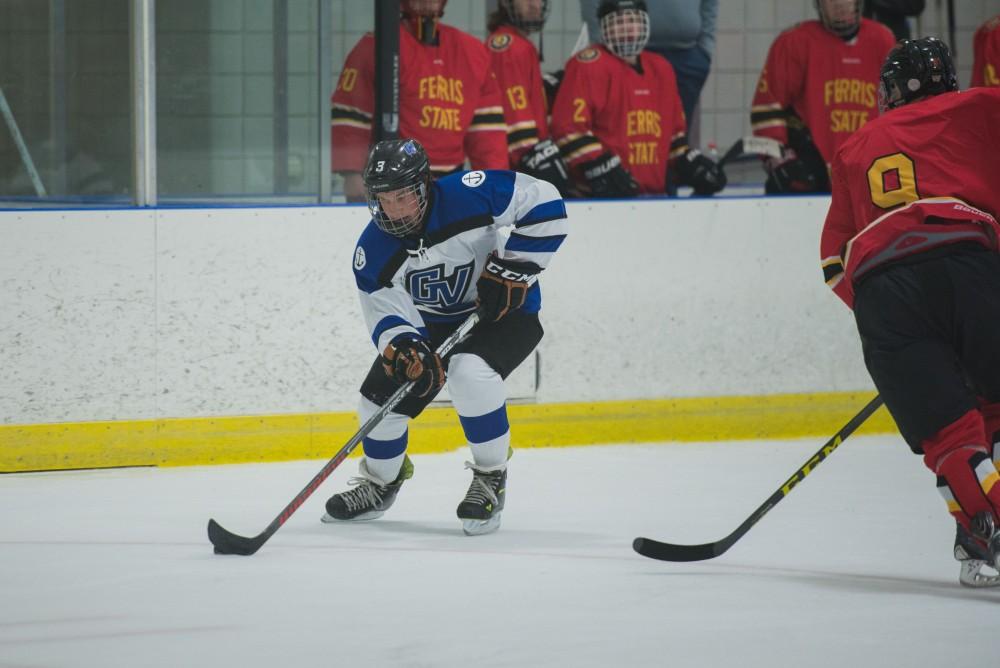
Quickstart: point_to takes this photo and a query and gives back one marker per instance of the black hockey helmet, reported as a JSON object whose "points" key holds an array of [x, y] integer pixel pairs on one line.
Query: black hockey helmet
{"points": [[841, 17], [524, 21], [433, 9], [617, 32], [424, 15], [913, 69], [398, 165], [608, 6]]}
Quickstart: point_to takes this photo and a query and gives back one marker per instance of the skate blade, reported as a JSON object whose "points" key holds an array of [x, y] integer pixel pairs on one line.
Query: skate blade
{"points": [[481, 527], [373, 515], [970, 575]]}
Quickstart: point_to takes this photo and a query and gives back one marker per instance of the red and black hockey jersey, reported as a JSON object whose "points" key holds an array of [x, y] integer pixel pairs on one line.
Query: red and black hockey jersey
{"points": [[605, 104], [516, 65], [986, 54], [449, 101], [913, 179], [830, 84]]}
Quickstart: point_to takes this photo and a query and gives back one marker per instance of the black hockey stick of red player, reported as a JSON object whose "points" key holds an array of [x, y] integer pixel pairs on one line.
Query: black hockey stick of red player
{"points": [[226, 542], [655, 549]]}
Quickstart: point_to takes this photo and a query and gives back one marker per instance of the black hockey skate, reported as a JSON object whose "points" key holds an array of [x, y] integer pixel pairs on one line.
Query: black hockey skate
{"points": [[370, 497], [481, 508], [975, 553]]}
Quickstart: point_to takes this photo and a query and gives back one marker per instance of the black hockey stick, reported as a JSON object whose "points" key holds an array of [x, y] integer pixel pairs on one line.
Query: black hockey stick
{"points": [[226, 542], [654, 549]]}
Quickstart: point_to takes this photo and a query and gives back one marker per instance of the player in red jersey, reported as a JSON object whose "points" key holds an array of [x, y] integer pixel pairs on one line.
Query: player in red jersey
{"points": [[910, 243], [986, 54], [448, 98], [618, 117], [817, 87], [516, 64]]}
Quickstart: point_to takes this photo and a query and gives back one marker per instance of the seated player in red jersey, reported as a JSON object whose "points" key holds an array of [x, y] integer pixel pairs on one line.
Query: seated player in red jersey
{"points": [[910, 243], [517, 65], [618, 116], [448, 99], [817, 87], [986, 54]]}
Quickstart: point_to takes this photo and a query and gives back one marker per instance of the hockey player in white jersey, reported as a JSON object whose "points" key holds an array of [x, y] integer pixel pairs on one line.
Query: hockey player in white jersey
{"points": [[430, 256]]}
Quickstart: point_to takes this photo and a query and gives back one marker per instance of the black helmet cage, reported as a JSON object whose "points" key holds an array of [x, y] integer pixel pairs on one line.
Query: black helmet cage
{"points": [[913, 69], [616, 33], [522, 22], [397, 165]]}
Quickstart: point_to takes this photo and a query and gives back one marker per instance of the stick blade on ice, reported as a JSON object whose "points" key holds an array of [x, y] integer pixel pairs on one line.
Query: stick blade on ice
{"points": [[654, 549], [226, 542]]}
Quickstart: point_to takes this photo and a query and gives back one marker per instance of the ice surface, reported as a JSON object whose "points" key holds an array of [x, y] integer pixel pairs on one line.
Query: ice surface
{"points": [[113, 568]]}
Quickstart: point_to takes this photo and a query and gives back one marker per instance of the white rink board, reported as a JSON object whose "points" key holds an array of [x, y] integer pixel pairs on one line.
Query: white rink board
{"points": [[209, 312]]}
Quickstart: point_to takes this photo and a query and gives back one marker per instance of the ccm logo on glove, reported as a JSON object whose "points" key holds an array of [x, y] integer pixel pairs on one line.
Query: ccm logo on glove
{"points": [[503, 286]]}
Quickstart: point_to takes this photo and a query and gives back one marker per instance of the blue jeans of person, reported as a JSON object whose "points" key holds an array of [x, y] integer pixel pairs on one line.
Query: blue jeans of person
{"points": [[691, 67]]}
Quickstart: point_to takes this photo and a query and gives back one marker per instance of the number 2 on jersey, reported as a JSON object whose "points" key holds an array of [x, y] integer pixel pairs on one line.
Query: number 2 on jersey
{"points": [[892, 180]]}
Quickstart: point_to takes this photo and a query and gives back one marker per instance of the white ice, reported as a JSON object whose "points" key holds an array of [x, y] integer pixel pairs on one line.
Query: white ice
{"points": [[854, 568]]}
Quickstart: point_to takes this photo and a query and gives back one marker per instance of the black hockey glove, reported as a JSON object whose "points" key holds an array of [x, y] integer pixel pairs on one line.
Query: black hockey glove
{"points": [[701, 173], [802, 168], [503, 286], [545, 162], [794, 175], [607, 177], [406, 359]]}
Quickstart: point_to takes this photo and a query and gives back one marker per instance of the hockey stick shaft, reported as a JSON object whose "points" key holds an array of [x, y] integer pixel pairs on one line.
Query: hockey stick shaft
{"points": [[654, 549], [226, 542]]}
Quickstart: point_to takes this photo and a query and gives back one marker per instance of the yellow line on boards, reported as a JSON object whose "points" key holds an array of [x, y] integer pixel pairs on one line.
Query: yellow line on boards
{"points": [[270, 438]]}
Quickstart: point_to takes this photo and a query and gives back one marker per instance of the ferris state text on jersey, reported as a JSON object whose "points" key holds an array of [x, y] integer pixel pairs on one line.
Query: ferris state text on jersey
{"points": [[437, 89], [449, 101], [606, 104], [830, 84]]}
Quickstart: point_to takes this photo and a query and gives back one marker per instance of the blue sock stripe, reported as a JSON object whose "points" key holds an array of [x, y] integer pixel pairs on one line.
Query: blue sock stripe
{"points": [[483, 428], [385, 449]]}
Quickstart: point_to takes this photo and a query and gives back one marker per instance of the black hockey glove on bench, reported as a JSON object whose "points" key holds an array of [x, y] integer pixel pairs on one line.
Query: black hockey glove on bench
{"points": [[608, 178], [701, 173]]}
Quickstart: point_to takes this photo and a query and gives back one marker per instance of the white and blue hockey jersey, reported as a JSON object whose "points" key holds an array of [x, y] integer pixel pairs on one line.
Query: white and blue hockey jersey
{"points": [[405, 283]]}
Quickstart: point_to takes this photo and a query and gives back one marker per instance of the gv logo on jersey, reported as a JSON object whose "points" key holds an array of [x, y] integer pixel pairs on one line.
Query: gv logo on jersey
{"points": [[430, 287]]}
